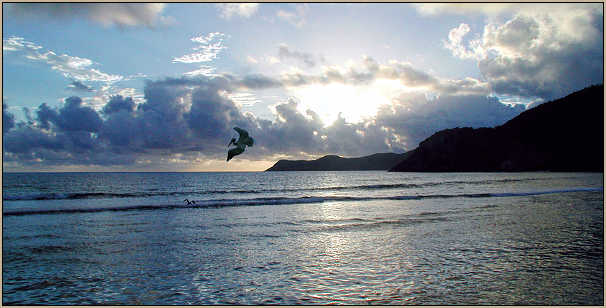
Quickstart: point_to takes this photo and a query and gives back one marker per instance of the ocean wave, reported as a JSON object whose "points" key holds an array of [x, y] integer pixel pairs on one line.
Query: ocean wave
{"points": [[217, 203], [154, 193], [91, 195]]}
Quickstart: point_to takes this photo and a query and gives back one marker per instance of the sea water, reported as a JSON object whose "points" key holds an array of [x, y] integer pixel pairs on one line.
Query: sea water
{"points": [[369, 237]]}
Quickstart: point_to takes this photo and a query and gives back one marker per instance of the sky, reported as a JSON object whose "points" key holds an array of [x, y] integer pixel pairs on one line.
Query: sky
{"points": [[159, 87]]}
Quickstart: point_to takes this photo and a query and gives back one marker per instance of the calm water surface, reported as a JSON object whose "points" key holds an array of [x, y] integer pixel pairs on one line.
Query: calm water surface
{"points": [[303, 238]]}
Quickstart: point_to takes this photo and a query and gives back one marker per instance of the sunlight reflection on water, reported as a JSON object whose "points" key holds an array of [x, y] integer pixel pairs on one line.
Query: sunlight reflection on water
{"points": [[539, 249]]}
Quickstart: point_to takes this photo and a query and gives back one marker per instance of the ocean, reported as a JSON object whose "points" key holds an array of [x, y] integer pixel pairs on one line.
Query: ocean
{"points": [[282, 238]]}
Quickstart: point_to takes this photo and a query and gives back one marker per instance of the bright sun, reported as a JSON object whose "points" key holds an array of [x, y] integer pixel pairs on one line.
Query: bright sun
{"points": [[354, 102]]}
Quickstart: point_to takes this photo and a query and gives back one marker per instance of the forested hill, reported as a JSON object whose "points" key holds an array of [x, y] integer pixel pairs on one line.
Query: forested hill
{"points": [[379, 161], [566, 134]]}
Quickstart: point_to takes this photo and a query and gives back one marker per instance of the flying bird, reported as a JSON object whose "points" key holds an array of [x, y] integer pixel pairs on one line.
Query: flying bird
{"points": [[189, 202], [243, 141]]}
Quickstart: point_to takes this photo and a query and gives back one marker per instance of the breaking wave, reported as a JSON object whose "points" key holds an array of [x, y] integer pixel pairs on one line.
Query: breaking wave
{"points": [[216, 203], [104, 195]]}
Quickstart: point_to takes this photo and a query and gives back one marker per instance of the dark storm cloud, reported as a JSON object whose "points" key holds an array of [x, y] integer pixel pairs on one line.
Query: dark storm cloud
{"points": [[58, 136], [211, 114], [191, 117], [291, 131], [178, 116], [79, 87], [72, 117], [75, 117], [117, 103], [121, 130], [8, 119], [25, 139], [45, 115]]}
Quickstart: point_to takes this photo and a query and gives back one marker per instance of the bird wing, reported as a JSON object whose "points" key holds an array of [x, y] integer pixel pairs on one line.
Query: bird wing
{"points": [[243, 133], [233, 152]]}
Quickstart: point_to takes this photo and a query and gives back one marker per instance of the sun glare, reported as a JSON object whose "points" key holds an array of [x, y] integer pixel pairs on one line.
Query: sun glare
{"points": [[354, 103]]}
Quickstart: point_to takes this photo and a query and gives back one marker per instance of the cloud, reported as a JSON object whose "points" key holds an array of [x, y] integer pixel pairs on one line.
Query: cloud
{"points": [[209, 47], [272, 60], [204, 70], [309, 59], [75, 68], [180, 116], [255, 81], [8, 119], [107, 14], [544, 54], [59, 136], [72, 117], [118, 103], [414, 117], [295, 133], [291, 131], [365, 72], [15, 43], [78, 86], [456, 46], [246, 10], [496, 9], [243, 98], [192, 117], [296, 17], [466, 8], [368, 71]]}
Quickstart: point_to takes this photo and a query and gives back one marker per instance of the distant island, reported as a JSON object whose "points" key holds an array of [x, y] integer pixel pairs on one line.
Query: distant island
{"points": [[379, 161], [566, 134]]}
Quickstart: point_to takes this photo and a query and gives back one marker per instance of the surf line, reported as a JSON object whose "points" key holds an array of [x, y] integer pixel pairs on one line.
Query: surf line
{"points": [[286, 200]]}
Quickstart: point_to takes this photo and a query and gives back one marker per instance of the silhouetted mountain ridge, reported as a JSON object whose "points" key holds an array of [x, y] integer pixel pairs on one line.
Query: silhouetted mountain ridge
{"points": [[566, 134], [379, 161]]}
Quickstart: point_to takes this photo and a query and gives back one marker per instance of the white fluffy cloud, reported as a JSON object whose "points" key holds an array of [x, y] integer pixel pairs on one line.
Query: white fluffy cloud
{"points": [[75, 68], [209, 46], [204, 70], [537, 54], [107, 14], [15, 43], [456, 46], [227, 10]]}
